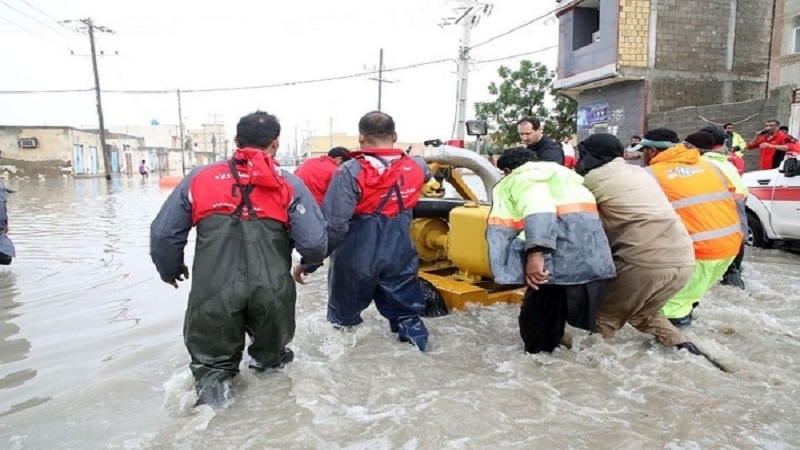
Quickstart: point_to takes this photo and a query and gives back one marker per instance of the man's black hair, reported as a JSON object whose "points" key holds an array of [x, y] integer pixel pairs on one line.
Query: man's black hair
{"points": [[701, 140], [662, 134], [257, 130], [534, 121], [515, 157], [727, 125], [784, 128], [377, 124], [719, 134], [777, 122], [636, 136], [339, 152]]}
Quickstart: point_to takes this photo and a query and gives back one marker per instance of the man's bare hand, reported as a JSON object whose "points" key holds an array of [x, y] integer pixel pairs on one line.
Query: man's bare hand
{"points": [[535, 274], [183, 276], [298, 272]]}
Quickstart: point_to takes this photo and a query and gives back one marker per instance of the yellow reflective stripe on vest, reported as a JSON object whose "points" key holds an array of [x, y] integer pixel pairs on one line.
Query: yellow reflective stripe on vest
{"points": [[716, 234], [702, 198]]}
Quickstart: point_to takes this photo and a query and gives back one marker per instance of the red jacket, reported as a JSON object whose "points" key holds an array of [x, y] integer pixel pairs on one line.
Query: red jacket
{"points": [[316, 174], [766, 160]]}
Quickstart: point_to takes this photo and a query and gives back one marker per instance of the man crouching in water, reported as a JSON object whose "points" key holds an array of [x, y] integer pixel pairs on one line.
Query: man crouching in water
{"points": [[544, 231], [247, 213]]}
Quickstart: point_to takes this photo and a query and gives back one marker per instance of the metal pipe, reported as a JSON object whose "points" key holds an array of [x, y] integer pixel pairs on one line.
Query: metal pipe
{"points": [[458, 157]]}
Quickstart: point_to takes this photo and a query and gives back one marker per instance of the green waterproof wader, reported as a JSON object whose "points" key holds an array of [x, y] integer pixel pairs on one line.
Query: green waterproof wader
{"points": [[241, 284]]}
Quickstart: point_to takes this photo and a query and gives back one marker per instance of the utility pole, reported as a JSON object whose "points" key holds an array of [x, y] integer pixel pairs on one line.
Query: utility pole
{"points": [[89, 23], [294, 153], [470, 13], [380, 79], [183, 143], [330, 130]]}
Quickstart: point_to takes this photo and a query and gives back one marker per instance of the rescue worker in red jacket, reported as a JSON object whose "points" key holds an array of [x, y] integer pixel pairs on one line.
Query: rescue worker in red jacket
{"points": [[773, 144], [247, 213], [317, 173], [368, 209]]}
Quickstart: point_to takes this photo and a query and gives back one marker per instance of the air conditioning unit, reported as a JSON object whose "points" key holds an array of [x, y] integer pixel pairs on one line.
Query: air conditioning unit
{"points": [[596, 36], [28, 143]]}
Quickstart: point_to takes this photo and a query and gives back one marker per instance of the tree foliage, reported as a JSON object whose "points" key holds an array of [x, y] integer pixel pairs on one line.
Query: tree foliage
{"points": [[525, 92]]}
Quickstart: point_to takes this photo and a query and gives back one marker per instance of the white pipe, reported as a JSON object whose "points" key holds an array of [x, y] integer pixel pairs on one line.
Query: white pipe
{"points": [[458, 157]]}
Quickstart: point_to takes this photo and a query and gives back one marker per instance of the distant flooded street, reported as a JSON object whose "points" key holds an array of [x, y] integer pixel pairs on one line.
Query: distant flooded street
{"points": [[92, 356]]}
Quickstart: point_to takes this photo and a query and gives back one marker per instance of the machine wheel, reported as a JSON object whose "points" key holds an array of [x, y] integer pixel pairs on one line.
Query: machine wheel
{"points": [[434, 302], [757, 237]]}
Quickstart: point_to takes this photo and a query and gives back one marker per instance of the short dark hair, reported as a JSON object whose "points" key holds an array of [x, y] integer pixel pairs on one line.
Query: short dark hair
{"points": [[257, 130], [534, 121], [701, 140], [783, 128], [515, 157], [717, 133], [662, 134], [339, 152], [636, 136], [376, 123], [776, 121], [727, 125]]}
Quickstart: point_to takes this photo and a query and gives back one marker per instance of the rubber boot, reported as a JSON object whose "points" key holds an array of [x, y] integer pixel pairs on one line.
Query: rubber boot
{"points": [[216, 394], [733, 277], [287, 356], [682, 322], [414, 332]]}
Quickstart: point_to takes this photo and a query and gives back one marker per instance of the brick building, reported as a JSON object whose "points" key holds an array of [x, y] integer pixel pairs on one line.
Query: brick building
{"points": [[623, 60]]}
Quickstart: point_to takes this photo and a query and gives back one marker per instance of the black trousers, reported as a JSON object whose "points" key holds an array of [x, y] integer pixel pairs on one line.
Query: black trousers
{"points": [[546, 311], [736, 265]]}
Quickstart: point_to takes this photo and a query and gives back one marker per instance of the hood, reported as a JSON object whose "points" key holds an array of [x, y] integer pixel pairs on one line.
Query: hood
{"points": [[598, 150], [257, 166], [677, 154]]}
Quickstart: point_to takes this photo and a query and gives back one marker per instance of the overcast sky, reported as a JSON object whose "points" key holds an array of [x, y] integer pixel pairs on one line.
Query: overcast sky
{"points": [[195, 45]]}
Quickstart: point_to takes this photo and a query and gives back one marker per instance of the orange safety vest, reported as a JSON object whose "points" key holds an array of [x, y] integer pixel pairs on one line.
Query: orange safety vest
{"points": [[703, 198]]}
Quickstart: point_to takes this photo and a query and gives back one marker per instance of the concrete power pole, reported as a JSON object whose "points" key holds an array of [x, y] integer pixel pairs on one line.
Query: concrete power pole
{"points": [[106, 151], [380, 79], [183, 143], [469, 14]]}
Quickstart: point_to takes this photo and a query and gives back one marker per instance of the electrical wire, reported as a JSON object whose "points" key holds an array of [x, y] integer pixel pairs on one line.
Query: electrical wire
{"points": [[37, 20], [35, 34], [530, 22], [274, 85]]}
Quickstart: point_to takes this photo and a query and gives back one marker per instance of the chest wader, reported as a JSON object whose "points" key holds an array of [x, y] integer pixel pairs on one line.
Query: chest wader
{"points": [[377, 261], [241, 284]]}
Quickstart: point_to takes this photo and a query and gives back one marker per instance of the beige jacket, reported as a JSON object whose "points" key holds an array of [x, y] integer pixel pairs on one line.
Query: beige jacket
{"points": [[641, 226]]}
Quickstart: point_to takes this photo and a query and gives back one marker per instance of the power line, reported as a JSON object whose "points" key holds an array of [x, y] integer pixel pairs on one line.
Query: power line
{"points": [[34, 7], [275, 85], [37, 20], [35, 34], [282, 84], [530, 22], [517, 55]]}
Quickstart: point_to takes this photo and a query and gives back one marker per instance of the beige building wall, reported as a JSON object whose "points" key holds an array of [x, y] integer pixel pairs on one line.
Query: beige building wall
{"points": [[634, 18], [320, 145], [77, 149], [164, 136]]}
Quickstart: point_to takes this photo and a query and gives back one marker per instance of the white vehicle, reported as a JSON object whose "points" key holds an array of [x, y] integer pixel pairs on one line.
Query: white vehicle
{"points": [[773, 206]]}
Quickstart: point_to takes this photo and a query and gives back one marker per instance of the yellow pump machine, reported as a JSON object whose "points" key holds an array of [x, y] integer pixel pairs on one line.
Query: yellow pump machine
{"points": [[450, 235]]}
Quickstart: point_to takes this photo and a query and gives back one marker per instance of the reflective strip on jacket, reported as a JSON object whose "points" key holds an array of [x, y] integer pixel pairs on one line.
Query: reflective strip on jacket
{"points": [[544, 206], [703, 198], [740, 194]]}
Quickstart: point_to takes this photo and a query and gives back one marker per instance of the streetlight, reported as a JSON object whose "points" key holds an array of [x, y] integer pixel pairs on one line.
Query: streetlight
{"points": [[477, 128]]}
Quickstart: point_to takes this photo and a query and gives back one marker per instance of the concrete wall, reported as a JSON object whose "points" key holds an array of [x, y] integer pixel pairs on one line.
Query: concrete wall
{"points": [[634, 32], [709, 52], [162, 136], [593, 56], [56, 150], [625, 105], [749, 117], [785, 62]]}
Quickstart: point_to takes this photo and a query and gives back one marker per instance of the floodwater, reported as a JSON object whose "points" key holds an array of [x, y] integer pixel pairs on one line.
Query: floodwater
{"points": [[92, 357]]}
